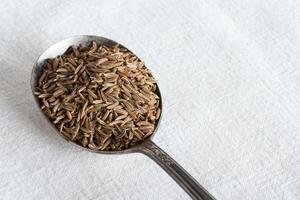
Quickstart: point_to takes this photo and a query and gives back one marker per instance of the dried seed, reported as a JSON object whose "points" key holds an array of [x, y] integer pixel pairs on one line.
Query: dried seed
{"points": [[72, 61], [69, 115], [46, 103], [92, 94], [102, 97], [106, 115], [130, 136], [121, 117], [97, 101], [84, 109], [42, 78], [55, 64], [107, 142], [137, 134], [44, 96], [58, 119], [127, 119], [112, 106], [78, 116], [100, 61], [55, 108], [93, 47], [78, 68], [58, 92], [121, 111]]}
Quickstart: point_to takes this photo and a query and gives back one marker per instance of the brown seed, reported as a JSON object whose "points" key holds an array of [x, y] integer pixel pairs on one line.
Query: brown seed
{"points": [[101, 60], [121, 111], [44, 96], [46, 103], [121, 117], [42, 78], [116, 122], [97, 101], [55, 108], [130, 136], [106, 115], [55, 64], [92, 94], [137, 134], [112, 106], [101, 97], [72, 61], [144, 123], [69, 115], [61, 126], [107, 142], [58, 92], [93, 47], [58, 119], [78, 68], [127, 119]]}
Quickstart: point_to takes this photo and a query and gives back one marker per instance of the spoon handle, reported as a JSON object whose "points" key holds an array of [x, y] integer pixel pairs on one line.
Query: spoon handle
{"points": [[182, 177]]}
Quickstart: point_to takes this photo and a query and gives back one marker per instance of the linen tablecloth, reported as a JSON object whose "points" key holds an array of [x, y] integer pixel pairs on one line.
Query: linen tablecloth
{"points": [[230, 78]]}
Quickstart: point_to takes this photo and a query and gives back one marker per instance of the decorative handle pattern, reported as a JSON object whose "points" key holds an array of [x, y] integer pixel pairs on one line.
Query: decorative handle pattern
{"points": [[161, 155], [182, 177]]}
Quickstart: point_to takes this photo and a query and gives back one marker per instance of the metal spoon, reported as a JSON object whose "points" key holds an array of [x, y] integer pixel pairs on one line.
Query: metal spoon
{"points": [[147, 147]]}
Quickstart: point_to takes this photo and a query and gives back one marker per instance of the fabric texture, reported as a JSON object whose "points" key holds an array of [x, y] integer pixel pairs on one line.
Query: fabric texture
{"points": [[230, 79]]}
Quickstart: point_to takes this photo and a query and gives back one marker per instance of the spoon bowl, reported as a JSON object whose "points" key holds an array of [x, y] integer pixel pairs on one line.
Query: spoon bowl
{"points": [[59, 49], [147, 146]]}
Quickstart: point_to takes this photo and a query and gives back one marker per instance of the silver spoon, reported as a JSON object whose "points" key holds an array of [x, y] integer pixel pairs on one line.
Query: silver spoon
{"points": [[147, 147]]}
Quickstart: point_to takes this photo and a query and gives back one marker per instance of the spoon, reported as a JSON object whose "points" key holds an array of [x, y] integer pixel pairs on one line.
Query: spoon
{"points": [[147, 147]]}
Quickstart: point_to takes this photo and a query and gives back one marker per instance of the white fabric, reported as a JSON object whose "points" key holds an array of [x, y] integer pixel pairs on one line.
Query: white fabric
{"points": [[230, 78]]}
